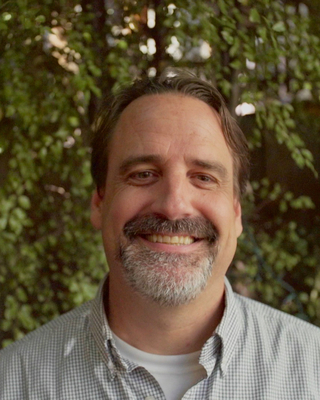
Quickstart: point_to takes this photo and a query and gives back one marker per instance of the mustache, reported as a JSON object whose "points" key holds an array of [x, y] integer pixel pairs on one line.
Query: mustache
{"points": [[197, 227]]}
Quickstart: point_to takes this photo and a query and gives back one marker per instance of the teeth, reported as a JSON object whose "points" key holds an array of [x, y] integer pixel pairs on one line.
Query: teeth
{"points": [[176, 240]]}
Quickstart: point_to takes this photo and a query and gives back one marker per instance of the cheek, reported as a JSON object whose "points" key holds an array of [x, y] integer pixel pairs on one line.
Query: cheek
{"points": [[221, 213], [123, 207], [218, 211]]}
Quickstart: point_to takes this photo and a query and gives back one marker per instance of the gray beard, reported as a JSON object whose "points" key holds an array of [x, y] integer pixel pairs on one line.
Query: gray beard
{"points": [[168, 279]]}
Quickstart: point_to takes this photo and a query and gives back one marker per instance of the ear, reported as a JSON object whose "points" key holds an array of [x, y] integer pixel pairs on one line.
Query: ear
{"points": [[238, 214], [96, 205]]}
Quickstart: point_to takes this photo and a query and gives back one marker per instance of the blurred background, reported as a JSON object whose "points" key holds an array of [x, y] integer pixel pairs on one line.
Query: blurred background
{"points": [[57, 60]]}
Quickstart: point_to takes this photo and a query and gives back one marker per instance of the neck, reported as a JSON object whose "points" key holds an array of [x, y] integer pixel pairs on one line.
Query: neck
{"points": [[163, 330]]}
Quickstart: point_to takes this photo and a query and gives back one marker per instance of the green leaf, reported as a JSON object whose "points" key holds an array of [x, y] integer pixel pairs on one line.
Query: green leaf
{"points": [[87, 37], [223, 7], [235, 47], [254, 16], [236, 64], [40, 19], [73, 121], [279, 26], [122, 44], [227, 37], [24, 202]]}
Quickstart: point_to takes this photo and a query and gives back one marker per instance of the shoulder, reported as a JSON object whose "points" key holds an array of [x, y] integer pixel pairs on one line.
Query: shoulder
{"points": [[54, 334], [30, 367], [271, 315], [282, 350], [277, 326]]}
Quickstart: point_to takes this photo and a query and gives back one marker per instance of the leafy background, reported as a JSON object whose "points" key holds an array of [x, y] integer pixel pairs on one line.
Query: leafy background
{"points": [[57, 58]]}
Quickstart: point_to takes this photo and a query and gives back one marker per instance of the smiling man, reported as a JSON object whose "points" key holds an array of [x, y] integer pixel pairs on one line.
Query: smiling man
{"points": [[170, 166]]}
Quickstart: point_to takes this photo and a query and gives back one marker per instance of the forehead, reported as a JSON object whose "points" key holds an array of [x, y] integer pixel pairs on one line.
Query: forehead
{"points": [[169, 124]]}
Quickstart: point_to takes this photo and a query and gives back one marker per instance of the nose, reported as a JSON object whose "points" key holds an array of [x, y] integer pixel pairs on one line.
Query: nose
{"points": [[173, 198]]}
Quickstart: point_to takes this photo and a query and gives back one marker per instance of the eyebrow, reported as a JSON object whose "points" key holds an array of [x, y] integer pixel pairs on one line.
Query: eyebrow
{"points": [[135, 160], [214, 166]]}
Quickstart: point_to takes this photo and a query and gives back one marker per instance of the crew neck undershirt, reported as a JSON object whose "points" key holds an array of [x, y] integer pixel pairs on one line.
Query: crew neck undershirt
{"points": [[174, 373]]}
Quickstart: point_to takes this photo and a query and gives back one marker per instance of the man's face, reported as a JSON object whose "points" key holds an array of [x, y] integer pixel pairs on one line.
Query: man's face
{"points": [[169, 216]]}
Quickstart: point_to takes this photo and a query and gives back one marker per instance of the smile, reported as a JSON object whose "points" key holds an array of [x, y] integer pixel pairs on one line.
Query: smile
{"points": [[174, 240]]}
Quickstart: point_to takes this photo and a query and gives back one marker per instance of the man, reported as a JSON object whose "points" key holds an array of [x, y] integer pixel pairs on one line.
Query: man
{"points": [[170, 165]]}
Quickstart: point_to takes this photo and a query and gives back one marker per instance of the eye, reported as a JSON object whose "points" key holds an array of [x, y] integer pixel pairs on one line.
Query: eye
{"points": [[204, 178], [144, 177], [204, 181]]}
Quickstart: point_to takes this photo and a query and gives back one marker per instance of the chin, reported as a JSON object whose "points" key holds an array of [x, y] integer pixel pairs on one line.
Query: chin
{"points": [[168, 279]]}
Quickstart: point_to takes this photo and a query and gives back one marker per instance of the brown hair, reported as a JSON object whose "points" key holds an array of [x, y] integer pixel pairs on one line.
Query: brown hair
{"points": [[180, 82]]}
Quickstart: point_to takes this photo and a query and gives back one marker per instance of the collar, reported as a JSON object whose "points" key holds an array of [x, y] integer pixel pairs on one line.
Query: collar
{"points": [[229, 328], [101, 331], [217, 351]]}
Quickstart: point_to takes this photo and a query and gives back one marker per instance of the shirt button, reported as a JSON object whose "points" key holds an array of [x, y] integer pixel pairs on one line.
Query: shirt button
{"points": [[111, 366]]}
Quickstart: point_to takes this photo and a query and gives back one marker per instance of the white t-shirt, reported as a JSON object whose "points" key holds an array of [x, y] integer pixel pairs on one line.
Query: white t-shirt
{"points": [[175, 374]]}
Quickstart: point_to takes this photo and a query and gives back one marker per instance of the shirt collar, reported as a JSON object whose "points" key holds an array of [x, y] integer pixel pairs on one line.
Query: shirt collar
{"points": [[101, 331], [220, 347], [217, 352], [229, 328]]}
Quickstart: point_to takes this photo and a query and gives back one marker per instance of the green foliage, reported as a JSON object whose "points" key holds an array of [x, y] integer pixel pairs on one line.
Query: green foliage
{"points": [[279, 256], [58, 57]]}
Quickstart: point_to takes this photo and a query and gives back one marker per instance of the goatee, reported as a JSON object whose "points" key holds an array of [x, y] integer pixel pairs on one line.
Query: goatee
{"points": [[169, 279]]}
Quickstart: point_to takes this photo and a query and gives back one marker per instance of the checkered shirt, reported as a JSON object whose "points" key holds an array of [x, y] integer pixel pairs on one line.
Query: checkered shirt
{"points": [[255, 353]]}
